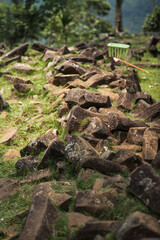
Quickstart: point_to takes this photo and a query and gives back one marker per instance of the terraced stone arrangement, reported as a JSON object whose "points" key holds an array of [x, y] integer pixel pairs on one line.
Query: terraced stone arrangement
{"points": [[92, 174]]}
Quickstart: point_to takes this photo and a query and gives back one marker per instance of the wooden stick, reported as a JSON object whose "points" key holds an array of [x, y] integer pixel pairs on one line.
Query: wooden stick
{"points": [[133, 65]]}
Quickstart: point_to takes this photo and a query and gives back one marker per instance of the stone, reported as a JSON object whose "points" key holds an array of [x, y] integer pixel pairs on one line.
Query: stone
{"points": [[8, 187], [99, 79], [94, 202], [23, 67], [49, 55], [88, 75], [20, 50], [14, 59], [59, 91], [49, 87], [40, 220], [135, 135], [63, 50], [41, 47], [3, 103], [27, 163], [77, 148], [10, 135], [97, 128], [151, 113], [104, 166], [91, 229], [50, 77], [150, 145], [81, 45], [16, 79], [109, 92], [22, 87], [63, 109], [39, 144], [43, 174], [144, 183], [61, 200], [143, 96], [54, 153], [119, 123], [132, 147], [61, 80], [138, 225], [76, 115], [127, 158], [156, 161], [140, 106], [70, 67], [11, 154], [152, 45], [114, 181], [76, 219], [80, 58], [87, 99], [125, 101], [121, 136], [97, 185], [118, 83]]}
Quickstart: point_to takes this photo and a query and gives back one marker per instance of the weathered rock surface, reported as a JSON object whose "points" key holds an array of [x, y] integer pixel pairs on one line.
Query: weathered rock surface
{"points": [[3, 103], [86, 98], [125, 101], [77, 148], [40, 220], [150, 145], [27, 163], [151, 113], [8, 187], [135, 135], [96, 202], [23, 67], [104, 166], [43, 174], [16, 79], [60, 79], [39, 144], [144, 183], [127, 158], [20, 50], [138, 226], [61, 200], [10, 135], [54, 153], [70, 67], [91, 229]]}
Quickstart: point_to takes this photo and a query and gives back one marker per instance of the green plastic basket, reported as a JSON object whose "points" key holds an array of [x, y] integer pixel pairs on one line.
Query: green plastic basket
{"points": [[118, 50]]}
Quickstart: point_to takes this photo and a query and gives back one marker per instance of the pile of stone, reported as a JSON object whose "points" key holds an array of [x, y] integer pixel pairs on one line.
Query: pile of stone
{"points": [[92, 125]]}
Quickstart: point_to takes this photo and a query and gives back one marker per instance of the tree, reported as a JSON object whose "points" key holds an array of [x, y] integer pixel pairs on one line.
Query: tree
{"points": [[69, 21], [19, 22], [118, 16], [152, 21]]}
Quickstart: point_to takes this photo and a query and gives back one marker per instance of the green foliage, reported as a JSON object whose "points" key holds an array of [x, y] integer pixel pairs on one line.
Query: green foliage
{"points": [[84, 123], [19, 21], [88, 183], [152, 21], [10, 208], [61, 227]]}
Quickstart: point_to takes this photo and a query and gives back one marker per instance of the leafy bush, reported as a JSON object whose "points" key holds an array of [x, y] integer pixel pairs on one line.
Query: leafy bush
{"points": [[152, 21]]}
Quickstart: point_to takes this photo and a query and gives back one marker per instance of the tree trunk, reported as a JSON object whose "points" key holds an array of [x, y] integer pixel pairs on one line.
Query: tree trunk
{"points": [[118, 19], [153, 4]]}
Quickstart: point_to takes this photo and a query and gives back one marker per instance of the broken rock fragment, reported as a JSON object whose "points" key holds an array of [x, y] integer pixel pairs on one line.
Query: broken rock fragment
{"points": [[96, 202], [40, 220], [144, 183], [137, 226]]}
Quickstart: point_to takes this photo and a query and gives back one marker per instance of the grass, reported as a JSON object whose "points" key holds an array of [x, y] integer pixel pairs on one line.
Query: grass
{"points": [[23, 115]]}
